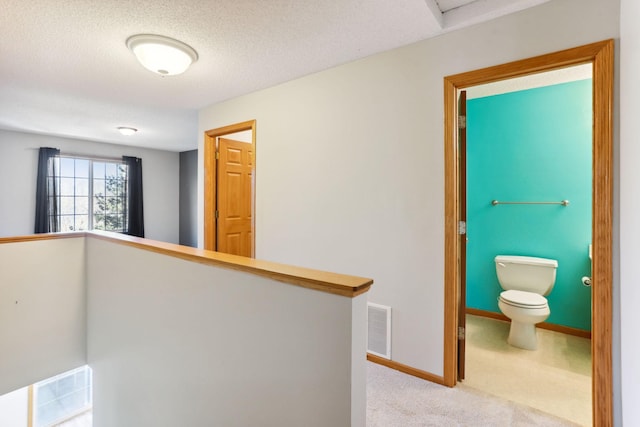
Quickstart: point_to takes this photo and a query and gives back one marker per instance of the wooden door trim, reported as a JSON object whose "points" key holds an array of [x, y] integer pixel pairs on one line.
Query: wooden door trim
{"points": [[601, 55], [210, 180], [462, 216]]}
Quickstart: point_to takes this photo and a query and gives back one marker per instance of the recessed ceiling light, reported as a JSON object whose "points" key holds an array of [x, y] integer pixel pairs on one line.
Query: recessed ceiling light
{"points": [[127, 130], [162, 55]]}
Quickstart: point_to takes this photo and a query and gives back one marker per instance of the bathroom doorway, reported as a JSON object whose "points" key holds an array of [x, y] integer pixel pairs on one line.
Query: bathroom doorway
{"points": [[600, 56]]}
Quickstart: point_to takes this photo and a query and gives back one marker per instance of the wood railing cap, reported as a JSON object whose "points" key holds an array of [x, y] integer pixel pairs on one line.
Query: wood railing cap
{"points": [[334, 283]]}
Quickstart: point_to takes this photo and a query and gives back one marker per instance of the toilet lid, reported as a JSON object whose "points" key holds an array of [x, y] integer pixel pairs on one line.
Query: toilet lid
{"points": [[523, 299]]}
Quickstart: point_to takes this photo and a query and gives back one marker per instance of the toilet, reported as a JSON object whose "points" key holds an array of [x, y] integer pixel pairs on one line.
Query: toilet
{"points": [[526, 281]]}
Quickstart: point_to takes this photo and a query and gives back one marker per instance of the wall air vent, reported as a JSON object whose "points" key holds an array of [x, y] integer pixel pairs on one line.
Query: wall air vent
{"points": [[379, 330]]}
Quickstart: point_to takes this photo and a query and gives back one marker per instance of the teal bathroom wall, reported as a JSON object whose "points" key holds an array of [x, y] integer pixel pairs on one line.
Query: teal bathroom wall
{"points": [[531, 145]]}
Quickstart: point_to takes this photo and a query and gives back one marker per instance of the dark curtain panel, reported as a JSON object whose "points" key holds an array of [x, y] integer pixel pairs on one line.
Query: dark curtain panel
{"points": [[47, 203], [135, 212]]}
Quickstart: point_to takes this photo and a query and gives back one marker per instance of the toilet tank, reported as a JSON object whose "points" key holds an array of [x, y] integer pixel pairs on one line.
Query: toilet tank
{"points": [[524, 273]]}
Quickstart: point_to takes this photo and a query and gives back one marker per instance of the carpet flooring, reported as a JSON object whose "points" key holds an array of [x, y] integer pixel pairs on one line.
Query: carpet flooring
{"points": [[395, 399]]}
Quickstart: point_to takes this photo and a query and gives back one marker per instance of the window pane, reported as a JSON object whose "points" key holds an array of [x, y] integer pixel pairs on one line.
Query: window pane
{"points": [[99, 211], [114, 204], [82, 187], [61, 397], [99, 205], [67, 167], [66, 187], [111, 170], [98, 187], [67, 206], [113, 222], [66, 223], [108, 187], [81, 222], [82, 205], [114, 187], [98, 222], [98, 170], [82, 168]]}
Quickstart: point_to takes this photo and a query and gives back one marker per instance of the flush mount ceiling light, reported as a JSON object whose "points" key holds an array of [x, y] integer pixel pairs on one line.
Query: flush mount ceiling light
{"points": [[127, 130], [162, 55]]}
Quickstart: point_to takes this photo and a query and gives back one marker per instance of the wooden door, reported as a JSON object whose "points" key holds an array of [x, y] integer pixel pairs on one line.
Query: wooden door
{"points": [[234, 197], [462, 229]]}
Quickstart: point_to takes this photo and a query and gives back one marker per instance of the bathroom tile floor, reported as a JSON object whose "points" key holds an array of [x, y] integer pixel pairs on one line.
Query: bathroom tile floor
{"points": [[555, 378]]}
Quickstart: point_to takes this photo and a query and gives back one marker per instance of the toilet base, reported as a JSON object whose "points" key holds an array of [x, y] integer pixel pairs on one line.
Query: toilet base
{"points": [[523, 335]]}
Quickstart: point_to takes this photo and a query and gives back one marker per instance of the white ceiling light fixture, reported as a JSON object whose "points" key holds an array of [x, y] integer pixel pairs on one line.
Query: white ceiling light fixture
{"points": [[162, 55], [127, 130]]}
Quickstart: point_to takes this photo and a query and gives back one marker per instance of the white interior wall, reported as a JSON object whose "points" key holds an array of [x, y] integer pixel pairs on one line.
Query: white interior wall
{"points": [[629, 197], [18, 171], [358, 369], [350, 173], [42, 310], [14, 408], [172, 342], [244, 136]]}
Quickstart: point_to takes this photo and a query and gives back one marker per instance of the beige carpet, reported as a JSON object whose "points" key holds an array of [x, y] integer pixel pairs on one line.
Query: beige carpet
{"points": [[555, 378], [395, 399]]}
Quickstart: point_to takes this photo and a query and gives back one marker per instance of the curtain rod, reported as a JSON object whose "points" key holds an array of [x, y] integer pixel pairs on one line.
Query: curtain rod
{"points": [[86, 156]]}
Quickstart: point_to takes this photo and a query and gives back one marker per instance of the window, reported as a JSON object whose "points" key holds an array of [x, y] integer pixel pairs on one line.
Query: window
{"points": [[62, 397], [92, 194]]}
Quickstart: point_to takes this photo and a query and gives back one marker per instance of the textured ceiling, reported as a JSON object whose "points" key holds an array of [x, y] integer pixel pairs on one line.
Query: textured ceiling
{"points": [[66, 71]]}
